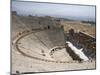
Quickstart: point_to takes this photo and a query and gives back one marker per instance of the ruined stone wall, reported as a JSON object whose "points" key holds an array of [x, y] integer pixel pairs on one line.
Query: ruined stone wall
{"points": [[81, 40], [40, 22]]}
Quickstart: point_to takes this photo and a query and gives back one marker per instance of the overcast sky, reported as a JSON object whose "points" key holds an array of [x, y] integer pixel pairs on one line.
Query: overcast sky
{"points": [[57, 10]]}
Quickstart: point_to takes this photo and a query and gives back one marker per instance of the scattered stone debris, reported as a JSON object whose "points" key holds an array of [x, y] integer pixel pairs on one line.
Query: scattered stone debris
{"points": [[82, 40]]}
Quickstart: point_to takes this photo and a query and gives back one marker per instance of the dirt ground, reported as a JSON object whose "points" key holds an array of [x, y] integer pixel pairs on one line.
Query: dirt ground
{"points": [[78, 26]]}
